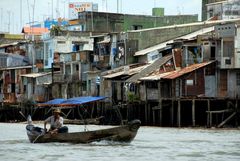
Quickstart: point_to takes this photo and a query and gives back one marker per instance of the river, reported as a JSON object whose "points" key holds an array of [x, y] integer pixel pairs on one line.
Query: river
{"points": [[150, 144]]}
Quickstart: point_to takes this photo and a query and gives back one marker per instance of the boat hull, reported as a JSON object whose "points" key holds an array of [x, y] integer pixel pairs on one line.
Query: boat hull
{"points": [[125, 133]]}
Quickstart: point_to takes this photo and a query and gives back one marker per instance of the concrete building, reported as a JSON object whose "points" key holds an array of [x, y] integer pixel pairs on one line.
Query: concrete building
{"points": [[115, 22], [220, 9]]}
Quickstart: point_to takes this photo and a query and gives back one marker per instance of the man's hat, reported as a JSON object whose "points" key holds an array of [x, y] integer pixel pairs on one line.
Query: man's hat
{"points": [[57, 111]]}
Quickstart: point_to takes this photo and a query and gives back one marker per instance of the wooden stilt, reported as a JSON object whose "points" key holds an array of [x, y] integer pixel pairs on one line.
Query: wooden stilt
{"points": [[193, 113], [146, 116], [172, 113], [160, 102], [179, 114], [208, 114], [160, 112], [149, 113], [236, 109], [153, 115], [210, 119]]}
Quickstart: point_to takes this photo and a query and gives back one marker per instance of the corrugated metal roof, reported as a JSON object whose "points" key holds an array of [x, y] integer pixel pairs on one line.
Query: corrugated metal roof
{"points": [[215, 3], [155, 77], [19, 67], [35, 30], [35, 75], [6, 45], [152, 67], [130, 72], [164, 44], [181, 72]]}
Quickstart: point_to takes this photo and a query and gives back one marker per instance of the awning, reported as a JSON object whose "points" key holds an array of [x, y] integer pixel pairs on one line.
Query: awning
{"points": [[164, 44]]}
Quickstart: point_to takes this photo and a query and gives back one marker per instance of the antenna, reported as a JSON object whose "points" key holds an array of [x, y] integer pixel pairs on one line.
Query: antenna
{"points": [[121, 6], [9, 20], [57, 10], [103, 5], [21, 13], [106, 5], [52, 9], [117, 6]]}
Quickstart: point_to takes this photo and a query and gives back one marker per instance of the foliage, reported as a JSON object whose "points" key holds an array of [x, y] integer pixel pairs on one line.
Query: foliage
{"points": [[55, 30], [132, 97]]}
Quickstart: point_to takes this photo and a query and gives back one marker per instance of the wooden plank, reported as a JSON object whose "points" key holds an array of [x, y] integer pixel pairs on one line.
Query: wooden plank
{"points": [[220, 111], [226, 120]]}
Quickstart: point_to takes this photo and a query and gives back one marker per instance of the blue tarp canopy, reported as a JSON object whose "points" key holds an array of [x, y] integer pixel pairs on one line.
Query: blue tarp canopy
{"points": [[71, 101], [52, 102], [81, 100]]}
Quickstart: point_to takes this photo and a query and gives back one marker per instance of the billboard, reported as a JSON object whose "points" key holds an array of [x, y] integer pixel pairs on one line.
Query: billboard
{"points": [[75, 7]]}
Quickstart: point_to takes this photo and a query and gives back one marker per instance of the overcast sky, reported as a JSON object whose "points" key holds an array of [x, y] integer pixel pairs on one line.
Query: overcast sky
{"points": [[11, 9]]}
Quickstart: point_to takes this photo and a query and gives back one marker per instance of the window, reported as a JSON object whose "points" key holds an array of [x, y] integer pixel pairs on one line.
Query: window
{"points": [[228, 61], [84, 85], [61, 42], [238, 78], [137, 27], [189, 82]]}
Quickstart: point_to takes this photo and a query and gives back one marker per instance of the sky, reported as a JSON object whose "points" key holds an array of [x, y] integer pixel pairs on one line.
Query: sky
{"points": [[12, 17]]}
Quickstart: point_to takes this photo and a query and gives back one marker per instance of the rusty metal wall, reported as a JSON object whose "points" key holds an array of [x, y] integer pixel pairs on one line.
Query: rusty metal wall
{"points": [[198, 87], [223, 83]]}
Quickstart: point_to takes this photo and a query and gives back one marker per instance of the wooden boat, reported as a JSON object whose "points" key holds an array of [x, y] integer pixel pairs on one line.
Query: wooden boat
{"points": [[124, 133]]}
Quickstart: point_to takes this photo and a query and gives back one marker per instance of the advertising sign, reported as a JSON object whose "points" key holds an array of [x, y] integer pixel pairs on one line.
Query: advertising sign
{"points": [[75, 7]]}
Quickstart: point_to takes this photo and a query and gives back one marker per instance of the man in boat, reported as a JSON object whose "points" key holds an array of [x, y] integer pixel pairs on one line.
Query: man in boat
{"points": [[56, 123]]}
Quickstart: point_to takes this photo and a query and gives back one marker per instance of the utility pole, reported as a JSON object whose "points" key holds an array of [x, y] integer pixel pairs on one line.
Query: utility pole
{"points": [[1, 19]]}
